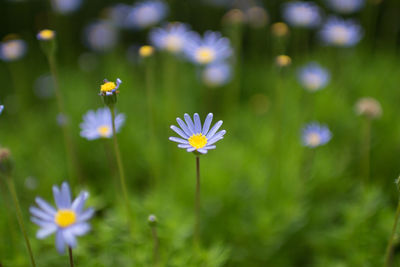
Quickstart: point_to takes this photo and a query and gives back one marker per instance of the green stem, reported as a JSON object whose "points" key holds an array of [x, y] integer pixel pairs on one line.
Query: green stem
{"points": [[390, 244], [366, 150], [156, 255], [13, 192], [69, 146], [71, 258], [197, 203], [119, 163]]}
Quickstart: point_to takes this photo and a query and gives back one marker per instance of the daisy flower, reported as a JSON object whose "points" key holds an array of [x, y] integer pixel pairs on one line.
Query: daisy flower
{"points": [[68, 220], [340, 32], [315, 134], [98, 124], [171, 38], [148, 13], [110, 88], [211, 48], [1, 108], [313, 77], [345, 6], [12, 50], [197, 138], [301, 14], [216, 74], [46, 35], [65, 6]]}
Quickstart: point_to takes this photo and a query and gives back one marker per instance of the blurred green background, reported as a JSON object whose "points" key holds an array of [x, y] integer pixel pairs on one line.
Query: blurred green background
{"points": [[266, 199]]}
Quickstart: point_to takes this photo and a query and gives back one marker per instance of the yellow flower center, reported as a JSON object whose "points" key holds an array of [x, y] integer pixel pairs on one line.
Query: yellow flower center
{"points": [[313, 82], [146, 51], [313, 139], [108, 87], [198, 141], [340, 35], [173, 44], [46, 34], [205, 55], [104, 131], [65, 218], [283, 60]]}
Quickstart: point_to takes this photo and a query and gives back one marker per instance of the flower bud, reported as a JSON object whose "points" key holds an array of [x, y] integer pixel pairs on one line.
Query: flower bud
{"points": [[368, 107], [283, 61], [47, 41], [6, 164], [233, 16], [109, 91], [146, 51], [152, 220], [280, 29]]}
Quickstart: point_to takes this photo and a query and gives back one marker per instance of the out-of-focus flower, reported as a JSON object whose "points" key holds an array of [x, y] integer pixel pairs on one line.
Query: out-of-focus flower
{"points": [[119, 15], [302, 14], [65, 6], [171, 38], [68, 220], [1, 108], [98, 124], [210, 49], [256, 16], [152, 220], [283, 61], [146, 51], [340, 32], [197, 138], [234, 16], [315, 134], [11, 50], [46, 35], [100, 36], [216, 74], [368, 107], [280, 29], [44, 86], [62, 119], [345, 6], [313, 77], [148, 13], [6, 162]]}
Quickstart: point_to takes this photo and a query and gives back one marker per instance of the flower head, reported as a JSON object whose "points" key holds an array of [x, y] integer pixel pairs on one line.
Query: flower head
{"points": [[315, 134], [257, 17], [11, 50], [110, 88], [209, 49], [313, 77], [98, 124], [68, 220], [148, 13], [1, 108], [368, 107], [302, 14], [217, 74], [65, 6], [171, 38], [197, 138], [340, 32], [46, 35], [345, 6], [280, 29]]}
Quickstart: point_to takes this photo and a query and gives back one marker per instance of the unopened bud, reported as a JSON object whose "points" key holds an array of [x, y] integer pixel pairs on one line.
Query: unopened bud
{"points": [[283, 61], [152, 220], [280, 29], [146, 51], [5, 161], [47, 41], [233, 16], [368, 107]]}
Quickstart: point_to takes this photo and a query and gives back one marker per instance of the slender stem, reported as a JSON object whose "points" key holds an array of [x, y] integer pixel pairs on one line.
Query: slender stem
{"points": [[71, 258], [13, 192], [390, 244], [119, 163], [156, 255], [366, 150], [197, 204], [69, 146]]}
